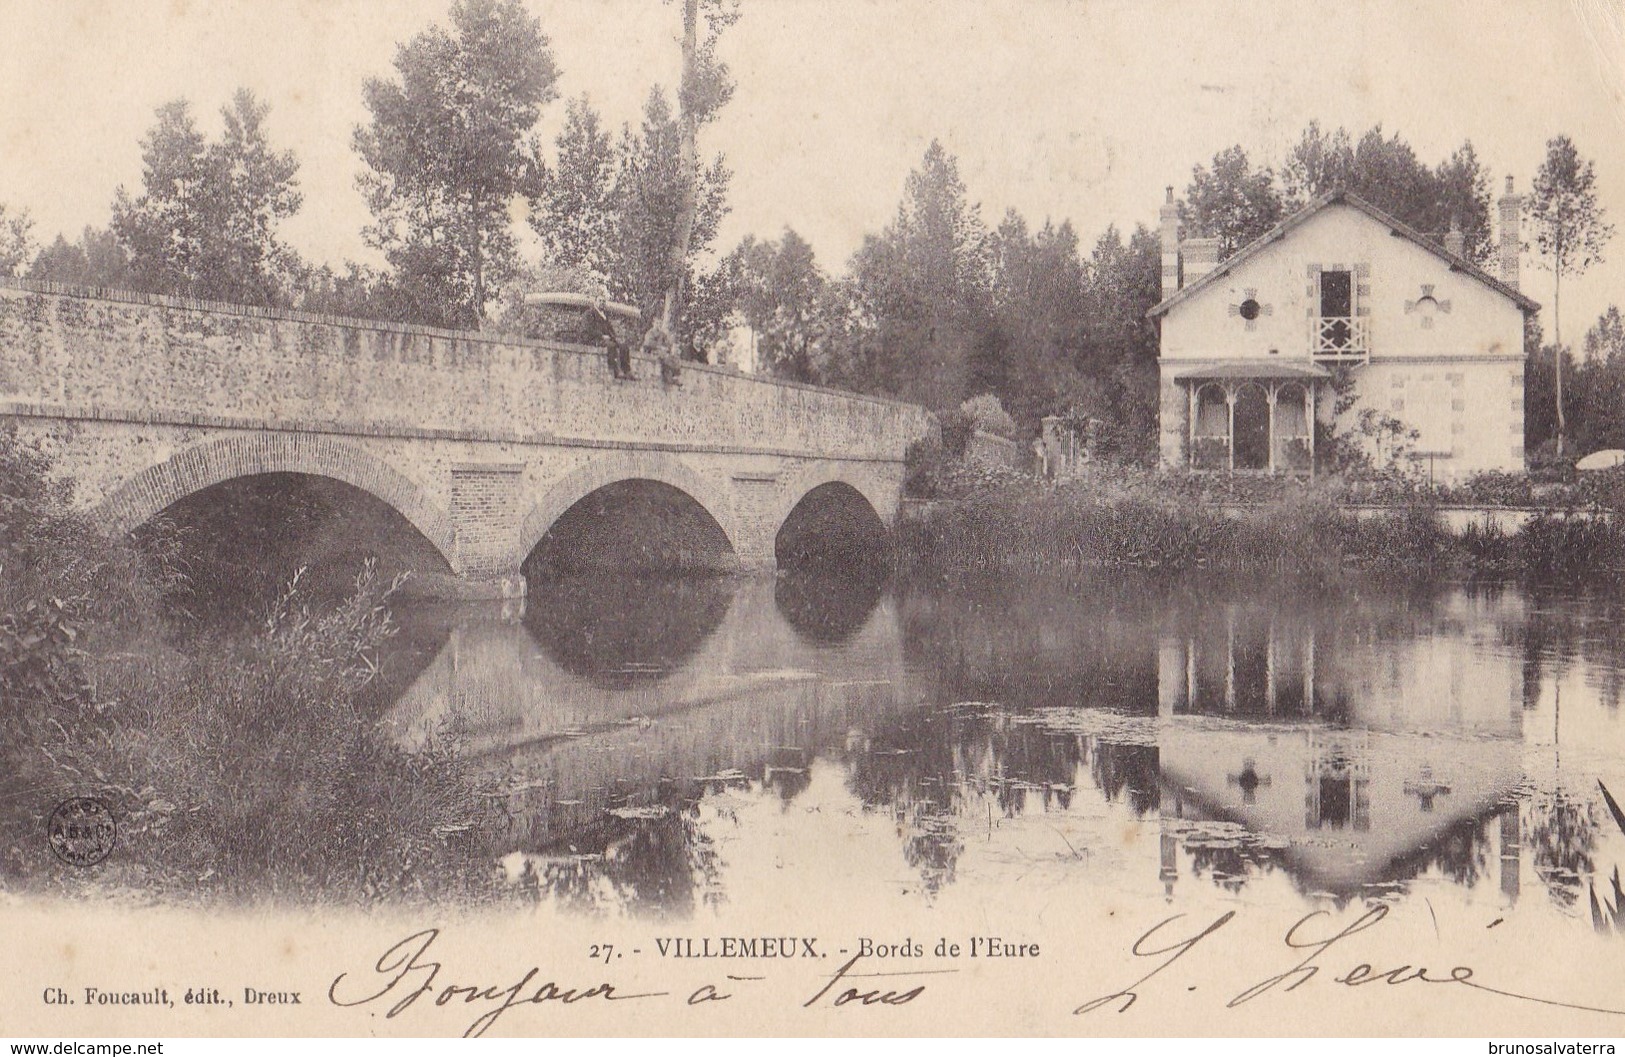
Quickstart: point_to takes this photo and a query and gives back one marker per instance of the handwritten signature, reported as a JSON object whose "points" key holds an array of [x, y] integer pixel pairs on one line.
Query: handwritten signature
{"points": [[1157, 942]]}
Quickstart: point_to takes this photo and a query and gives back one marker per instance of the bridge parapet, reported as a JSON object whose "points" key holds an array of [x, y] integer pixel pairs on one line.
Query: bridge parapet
{"points": [[103, 354], [480, 443]]}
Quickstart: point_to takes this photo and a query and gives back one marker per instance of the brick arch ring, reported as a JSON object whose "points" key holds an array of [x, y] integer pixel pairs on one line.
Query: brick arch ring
{"points": [[618, 466], [803, 481], [211, 462]]}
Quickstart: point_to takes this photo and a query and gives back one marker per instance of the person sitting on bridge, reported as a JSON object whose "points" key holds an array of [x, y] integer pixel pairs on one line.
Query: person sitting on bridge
{"points": [[599, 328], [659, 344]]}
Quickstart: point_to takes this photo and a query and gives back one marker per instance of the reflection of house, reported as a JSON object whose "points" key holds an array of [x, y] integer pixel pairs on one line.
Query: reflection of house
{"points": [[1252, 348], [1345, 749]]}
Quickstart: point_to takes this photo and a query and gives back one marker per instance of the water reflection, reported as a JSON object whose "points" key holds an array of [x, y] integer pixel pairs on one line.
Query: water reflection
{"points": [[660, 744], [825, 606], [619, 630]]}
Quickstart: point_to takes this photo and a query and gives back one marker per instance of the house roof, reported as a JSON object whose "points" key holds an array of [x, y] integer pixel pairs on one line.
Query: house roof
{"points": [[1254, 369], [1396, 226]]}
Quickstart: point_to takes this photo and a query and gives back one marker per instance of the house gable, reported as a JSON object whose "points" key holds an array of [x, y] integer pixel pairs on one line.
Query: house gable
{"points": [[1217, 270], [1409, 299]]}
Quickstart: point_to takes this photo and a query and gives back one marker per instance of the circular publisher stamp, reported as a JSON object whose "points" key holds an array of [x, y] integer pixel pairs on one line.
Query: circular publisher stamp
{"points": [[82, 831]]}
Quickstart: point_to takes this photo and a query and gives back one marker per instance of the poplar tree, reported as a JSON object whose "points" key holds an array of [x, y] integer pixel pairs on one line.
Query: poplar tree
{"points": [[705, 88], [1570, 231]]}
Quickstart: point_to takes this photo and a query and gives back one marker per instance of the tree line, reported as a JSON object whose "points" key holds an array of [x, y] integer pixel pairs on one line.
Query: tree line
{"points": [[936, 307], [449, 150]]}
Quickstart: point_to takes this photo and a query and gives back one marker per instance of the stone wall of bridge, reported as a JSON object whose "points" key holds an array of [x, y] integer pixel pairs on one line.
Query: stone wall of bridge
{"points": [[144, 355], [480, 444]]}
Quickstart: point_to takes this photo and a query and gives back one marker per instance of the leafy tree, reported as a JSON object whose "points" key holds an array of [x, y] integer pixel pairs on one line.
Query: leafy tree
{"points": [[1318, 163], [205, 222], [1123, 282], [1231, 201], [575, 214], [358, 290], [921, 291], [1605, 341], [1570, 231], [786, 299], [15, 244], [164, 229], [1041, 317], [1595, 401], [710, 313], [1385, 171], [649, 199], [1119, 355], [613, 210], [1462, 199], [448, 149], [258, 188], [96, 259]]}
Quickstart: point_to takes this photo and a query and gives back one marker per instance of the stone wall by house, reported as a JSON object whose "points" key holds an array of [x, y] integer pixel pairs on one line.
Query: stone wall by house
{"points": [[991, 450]]}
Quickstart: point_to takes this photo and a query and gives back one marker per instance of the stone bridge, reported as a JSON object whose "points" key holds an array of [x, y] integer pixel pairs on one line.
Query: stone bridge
{"points": [[480, 442]]}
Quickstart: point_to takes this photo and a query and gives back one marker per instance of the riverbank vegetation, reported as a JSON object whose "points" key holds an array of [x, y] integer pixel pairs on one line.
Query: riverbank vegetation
{"points": [[243, 764], [1114, 515]]}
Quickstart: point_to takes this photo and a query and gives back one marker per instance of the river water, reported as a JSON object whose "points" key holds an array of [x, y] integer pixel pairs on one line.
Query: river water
{"points": [[673, 748]]}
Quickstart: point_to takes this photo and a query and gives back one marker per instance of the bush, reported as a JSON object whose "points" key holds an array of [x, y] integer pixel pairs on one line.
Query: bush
{"points": [[249, 765], [987, 414]]}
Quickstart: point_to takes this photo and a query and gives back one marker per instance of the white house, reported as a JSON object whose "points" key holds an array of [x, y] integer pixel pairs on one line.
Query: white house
{"points": [[1251, 347]]}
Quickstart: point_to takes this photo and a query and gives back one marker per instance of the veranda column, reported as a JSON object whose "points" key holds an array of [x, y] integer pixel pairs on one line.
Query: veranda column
{"points": [[1230, 402], [1309, 418], [1190, 449], [1270, 395]]}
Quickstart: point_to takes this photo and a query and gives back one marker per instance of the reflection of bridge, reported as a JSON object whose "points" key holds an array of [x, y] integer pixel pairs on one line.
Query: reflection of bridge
{"points": [[753, 695], [481, 443]]}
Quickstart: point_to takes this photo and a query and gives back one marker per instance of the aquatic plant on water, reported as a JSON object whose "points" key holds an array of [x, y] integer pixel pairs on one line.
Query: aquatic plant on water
{"points": [[1608, 911]]}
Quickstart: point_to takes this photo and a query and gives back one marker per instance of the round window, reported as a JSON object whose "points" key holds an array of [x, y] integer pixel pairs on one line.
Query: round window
{"points": [[1249, 309]]}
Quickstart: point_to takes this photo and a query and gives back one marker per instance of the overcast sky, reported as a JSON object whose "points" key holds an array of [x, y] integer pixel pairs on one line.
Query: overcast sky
{"points": [[1077, 109]]}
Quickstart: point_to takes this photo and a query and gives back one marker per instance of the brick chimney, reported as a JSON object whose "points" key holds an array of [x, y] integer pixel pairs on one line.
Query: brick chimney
{"points": [[1201, 257], [1511, 241], [1169, 230], [1455, 243]]}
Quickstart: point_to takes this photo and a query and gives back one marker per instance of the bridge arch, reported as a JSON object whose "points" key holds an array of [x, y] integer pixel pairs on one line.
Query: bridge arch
{"points": [[815, 475], [831, 516], [623, 465], [211, 462]]}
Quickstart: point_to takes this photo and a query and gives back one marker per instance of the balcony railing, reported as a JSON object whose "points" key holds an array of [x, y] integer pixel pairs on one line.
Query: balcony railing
{"points": [[1340, 339]]}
